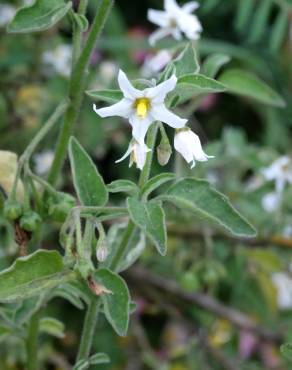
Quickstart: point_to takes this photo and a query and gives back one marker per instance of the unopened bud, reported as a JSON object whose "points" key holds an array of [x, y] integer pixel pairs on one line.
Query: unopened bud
{"points": [[163, 153], [102, 251]]}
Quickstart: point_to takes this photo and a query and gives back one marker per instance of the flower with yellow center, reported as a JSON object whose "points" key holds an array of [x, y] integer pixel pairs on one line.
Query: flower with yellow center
{"points": [[137, 153], [174, 21], [143, 107]]}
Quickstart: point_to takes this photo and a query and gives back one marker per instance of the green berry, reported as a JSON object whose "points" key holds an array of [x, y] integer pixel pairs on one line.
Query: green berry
{"points": [[12, 210], [30, 221]]}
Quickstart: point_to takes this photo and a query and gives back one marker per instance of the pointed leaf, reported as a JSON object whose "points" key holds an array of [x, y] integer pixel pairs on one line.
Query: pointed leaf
{"points": [[88, 183], [150, 218], [208, 204], [246, 84], [52, 326], [123, 186], [186, 62], [40, 16], [99, 358], [108, 96], [213, 64], [32, 275], [117, 303], [155, 182]]}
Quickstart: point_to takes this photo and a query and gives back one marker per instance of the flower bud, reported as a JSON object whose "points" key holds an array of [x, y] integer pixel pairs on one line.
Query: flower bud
{"points": [[30, 221], [59, 208], [12, 210], [163, 152], [102, 251]]}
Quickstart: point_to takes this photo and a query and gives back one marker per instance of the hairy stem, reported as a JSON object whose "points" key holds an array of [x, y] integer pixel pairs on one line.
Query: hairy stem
{"points": [[76, 89], [31, 343]]}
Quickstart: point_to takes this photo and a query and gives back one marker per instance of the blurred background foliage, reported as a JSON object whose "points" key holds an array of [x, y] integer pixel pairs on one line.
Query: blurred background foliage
{"points": [[167, 331]]}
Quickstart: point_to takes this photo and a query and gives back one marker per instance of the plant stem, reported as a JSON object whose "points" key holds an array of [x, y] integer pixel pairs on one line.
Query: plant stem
{"points": [[77, 33], [88, 328], [93, 309], [32, 339], [76, 89]]}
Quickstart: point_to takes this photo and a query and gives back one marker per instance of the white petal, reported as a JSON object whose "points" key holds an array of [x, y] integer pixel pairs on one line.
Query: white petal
{"points": [[158, 17], [271, 201], [140, 126], [158, 93], [160, 113], [121, 109], [170, 5], [127, 88], [190, 6], [128, 152], [176, 34], [190, 25], [159, 34], [140, 153], [181, 147]]}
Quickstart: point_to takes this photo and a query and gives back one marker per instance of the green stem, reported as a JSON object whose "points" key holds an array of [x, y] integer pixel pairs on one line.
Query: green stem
{"points": [[88, 329], [76, 89], [77, 33], [32, 339], [93, 309]]}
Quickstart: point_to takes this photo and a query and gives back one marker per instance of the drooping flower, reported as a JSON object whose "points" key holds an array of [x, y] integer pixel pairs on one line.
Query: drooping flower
{"points": [[280, 171], [188, 144], [283, 284], [271, 201], [143, 107], [155, 63], [137, 153], [174, 21]]}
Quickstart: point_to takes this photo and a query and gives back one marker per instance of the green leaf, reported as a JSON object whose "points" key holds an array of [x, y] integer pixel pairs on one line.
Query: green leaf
{"points": [[243, 14], [123, 186], [192, 85], [150, 218], [246, 84], [213, 64], [260, 20], [52, 326], [155, 182], [117, 303], [32, 275], [108, 96], [186, 62], [286, 350], [279, 30], [208, 204], [70, 293], [99, 358], [88, 183], [40, 16], [81, 21]]}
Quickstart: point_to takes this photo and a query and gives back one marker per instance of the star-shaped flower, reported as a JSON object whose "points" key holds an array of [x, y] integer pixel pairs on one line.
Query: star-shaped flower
{"points": [[175, 20], [143, 107], [137, 153], [280, 171]]}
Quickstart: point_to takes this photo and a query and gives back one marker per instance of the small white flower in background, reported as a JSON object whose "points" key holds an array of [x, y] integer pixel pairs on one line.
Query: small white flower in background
{"points": [[7, 12], [143, 107], [280, 171], [108, 70], [175, 20], [155, 63], [43, 161], [188, 144], [137, 153], [271, 201], [283, 284], [59, 59]]}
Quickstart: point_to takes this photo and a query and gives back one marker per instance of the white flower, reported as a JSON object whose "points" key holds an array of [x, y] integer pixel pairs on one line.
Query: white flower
{"points": [[271, 201], [188, 144], [283, 283], [43, 161], [137, 153], [59, 59], [107, 70], [175, 20], [155, 63], [280, 171], [144, 107], [6, 14]]}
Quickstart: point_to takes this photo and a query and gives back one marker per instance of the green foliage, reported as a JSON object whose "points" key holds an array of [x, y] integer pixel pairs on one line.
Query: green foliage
{"points": [[96, 359], [32, 275], [123, 186], [186, 62], [116, 303], [109, 96], [286, 350], [52, 326], [246, 84], [208, 204], [150, 218], [213, 63], [40, 16], [155, 182], [88, 183]]}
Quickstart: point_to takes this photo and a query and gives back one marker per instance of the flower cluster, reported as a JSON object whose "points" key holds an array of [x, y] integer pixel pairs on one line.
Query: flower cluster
{"points": [[143, 107]]}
